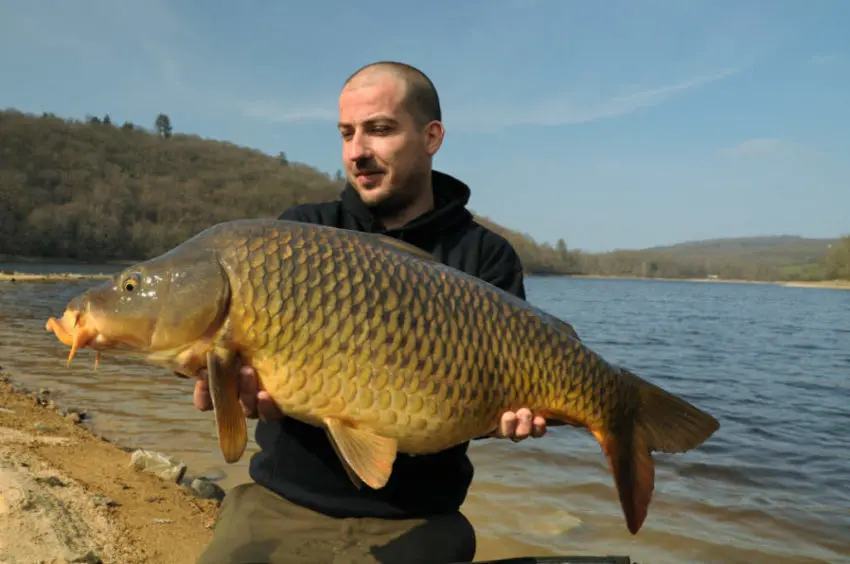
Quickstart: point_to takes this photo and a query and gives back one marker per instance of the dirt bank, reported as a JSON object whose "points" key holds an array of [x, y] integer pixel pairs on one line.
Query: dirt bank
{"points": [[68, 496]]}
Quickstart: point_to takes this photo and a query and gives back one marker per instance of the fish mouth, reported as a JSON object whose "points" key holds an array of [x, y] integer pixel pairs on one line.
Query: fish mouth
{"points": [[77, 330]]}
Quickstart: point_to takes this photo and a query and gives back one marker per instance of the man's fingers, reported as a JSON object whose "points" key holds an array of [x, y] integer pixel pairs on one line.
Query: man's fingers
{"points": [[248, 391], [520, 425], [538, 427], [266, 407], [507, 426], [523, 428], [201, 396]]}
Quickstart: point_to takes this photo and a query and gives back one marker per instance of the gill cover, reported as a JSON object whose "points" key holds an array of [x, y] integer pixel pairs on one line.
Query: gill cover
{"points": [[163, 303]]}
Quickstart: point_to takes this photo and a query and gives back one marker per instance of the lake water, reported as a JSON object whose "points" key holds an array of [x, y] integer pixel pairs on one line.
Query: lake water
{"points": [[771, 363]]}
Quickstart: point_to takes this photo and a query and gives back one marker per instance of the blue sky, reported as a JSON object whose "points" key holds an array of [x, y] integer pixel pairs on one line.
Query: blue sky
{"points": [[611, 124]]}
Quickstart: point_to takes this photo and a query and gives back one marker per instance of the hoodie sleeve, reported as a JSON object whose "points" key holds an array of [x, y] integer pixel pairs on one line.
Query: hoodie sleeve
{"points": [[501, 266]]}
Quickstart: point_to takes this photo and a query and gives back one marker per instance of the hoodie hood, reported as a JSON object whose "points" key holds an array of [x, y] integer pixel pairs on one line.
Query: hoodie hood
{"points": [[449, 213]]}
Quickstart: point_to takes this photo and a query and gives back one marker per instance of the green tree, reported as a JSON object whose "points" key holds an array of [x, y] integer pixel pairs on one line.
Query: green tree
{"points": [[838, 259], [162, 125]]}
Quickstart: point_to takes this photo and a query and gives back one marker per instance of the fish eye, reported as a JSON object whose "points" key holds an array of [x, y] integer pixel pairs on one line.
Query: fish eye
{"points": [[130, 284]]}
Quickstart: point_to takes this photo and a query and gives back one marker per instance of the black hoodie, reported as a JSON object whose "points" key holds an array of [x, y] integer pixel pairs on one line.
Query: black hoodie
{"points": [[297, 460]]}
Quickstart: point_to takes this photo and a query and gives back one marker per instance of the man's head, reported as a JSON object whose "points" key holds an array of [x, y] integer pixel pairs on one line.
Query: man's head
{"points": [[389, 119]]}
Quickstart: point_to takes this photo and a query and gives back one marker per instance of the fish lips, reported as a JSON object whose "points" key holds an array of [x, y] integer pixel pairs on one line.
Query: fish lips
{"points": [[78, 331]]}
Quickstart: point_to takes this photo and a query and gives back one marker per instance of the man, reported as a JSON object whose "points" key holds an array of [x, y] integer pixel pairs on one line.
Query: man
{"points": [[303, 506]]}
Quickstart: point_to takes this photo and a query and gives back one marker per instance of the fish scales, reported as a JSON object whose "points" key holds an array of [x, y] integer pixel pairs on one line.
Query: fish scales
{"points": [[370, 338], [392, 306]]}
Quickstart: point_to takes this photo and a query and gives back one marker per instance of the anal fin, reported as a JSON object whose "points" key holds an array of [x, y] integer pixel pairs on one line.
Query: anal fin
{"points": [[229, 417], [366, 456]]}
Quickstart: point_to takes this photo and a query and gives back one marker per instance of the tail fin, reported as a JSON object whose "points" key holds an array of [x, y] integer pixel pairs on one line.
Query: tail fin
{"points": [[662, 423]]}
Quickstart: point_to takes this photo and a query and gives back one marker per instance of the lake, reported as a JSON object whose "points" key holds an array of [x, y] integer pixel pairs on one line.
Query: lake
{"points": [[771, 363]]}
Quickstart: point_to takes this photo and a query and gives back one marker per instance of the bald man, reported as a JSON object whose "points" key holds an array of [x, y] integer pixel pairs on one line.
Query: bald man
{"points": [[302, 506]]}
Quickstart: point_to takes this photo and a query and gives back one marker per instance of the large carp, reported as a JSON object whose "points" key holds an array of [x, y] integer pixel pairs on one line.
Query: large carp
{"points": [[372, 339]]}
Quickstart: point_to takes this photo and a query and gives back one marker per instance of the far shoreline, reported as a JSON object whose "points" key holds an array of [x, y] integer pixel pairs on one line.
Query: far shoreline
{"points": [[7, 276], [12, 276], [824, 284]]}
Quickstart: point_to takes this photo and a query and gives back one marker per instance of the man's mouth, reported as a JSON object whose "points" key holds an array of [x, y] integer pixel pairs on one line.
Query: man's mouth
{"points": [[369, 175]]}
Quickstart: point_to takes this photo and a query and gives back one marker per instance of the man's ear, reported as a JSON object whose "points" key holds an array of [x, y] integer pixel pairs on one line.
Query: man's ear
{"points": [[434, 133]]}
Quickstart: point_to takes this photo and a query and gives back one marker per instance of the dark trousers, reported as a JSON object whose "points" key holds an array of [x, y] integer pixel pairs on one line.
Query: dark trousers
{"points": [[256, 525]]}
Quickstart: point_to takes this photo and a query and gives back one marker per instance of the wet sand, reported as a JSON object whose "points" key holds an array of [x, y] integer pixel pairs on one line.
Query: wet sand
{"points": [[66, 494]]}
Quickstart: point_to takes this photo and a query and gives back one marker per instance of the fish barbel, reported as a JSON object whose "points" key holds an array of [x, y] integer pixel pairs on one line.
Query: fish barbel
{"points": [[373, 340]]}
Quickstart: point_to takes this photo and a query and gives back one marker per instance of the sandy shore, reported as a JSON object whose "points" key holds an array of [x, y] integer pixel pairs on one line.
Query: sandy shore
{"points": [[69, 496], [828, 284]]}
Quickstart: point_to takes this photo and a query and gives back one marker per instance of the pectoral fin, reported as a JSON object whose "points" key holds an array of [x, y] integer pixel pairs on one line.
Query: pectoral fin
{"points": [[229, 417], [366, 456]]}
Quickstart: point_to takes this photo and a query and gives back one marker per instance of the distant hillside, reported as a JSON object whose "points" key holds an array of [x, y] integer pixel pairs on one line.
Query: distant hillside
{"points": [[782, 248], [781, 257], [786, 253], [93, 190]]}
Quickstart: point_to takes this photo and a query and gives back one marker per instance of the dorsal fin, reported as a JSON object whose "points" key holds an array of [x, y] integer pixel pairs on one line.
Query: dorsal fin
{"points": [[401, 246]]}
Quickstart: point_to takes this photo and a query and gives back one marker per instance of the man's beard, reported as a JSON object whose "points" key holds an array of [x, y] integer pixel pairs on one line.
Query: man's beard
{"points": [[399, 198], [391, 204]]}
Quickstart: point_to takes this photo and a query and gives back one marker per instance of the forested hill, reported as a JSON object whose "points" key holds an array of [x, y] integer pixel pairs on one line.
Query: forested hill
{"points": [[98, 190]]}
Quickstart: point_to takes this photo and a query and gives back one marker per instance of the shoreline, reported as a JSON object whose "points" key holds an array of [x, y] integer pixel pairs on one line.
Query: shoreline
{"points": [[824, 284], [6, 276], [67, 493]]}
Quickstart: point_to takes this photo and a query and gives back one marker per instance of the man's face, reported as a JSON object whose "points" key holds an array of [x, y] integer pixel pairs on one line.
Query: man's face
{"points": [[385, 154]]}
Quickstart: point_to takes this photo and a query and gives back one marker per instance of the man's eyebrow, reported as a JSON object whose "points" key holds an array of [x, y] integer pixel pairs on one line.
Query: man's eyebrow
{"points": [[381, 117], [371, 119]]}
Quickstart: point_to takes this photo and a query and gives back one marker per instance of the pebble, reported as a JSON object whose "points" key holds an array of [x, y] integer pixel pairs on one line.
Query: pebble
{"points": [[204, 489], [88, 558], [102, 500], [51, 481], [159, 464]]}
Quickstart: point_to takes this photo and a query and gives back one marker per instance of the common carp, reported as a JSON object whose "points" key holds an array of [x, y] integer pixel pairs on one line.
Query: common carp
{"points": [[378, 343]]}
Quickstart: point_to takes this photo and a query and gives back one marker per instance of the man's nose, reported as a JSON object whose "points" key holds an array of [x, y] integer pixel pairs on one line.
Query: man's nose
{"points": [[358, 147]]}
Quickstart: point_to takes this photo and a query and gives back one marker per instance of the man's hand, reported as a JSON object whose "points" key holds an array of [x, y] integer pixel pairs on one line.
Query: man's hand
{"points": [[520, 425], [255, 402]]}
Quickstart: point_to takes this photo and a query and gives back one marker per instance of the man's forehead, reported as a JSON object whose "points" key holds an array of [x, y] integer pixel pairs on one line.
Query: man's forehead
{"points": [[370, 99]]}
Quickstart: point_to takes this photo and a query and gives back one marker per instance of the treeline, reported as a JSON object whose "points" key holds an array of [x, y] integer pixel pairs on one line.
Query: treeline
{"points": [[94, 190]]}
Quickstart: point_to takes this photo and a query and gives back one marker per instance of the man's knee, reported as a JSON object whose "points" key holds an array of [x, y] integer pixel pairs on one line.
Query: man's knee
{"points": [[439, 540], [246, 529]]}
